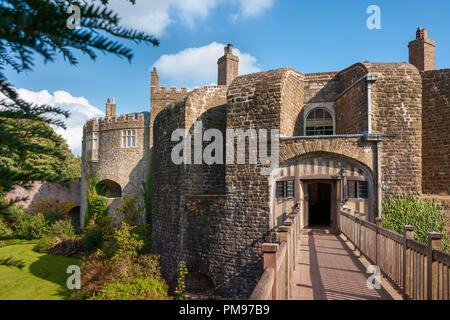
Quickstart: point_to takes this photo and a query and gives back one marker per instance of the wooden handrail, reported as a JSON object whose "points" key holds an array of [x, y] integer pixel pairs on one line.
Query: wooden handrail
{"points": [[420, 271]]}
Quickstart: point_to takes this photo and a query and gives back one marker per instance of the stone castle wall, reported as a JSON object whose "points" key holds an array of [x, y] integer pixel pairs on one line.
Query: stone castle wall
{"points": [[127, 166], [351, 104], [436, 132], [188, 210], [397, 111]]}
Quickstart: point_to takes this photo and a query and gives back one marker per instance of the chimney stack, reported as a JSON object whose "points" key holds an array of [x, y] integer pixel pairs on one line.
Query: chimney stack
{"points": [[154, 81], [422, 51], [111, 108], [228, 67]]}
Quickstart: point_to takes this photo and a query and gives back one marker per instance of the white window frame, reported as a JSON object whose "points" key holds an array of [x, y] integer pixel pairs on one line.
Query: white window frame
{"points": [[129, 138], [328, 106]]}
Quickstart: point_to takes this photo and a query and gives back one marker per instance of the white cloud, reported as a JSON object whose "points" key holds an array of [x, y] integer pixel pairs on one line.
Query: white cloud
{"points": [[79, 108], [198, 66], [154, 16], [252, 8]]}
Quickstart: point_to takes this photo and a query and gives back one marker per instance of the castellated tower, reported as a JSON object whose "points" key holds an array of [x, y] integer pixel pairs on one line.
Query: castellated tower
{"points": [[422, 51], [160, 98], [117, 148]]}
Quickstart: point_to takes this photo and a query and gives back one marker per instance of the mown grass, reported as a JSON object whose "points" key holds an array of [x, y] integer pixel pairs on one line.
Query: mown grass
{"points": [[42, 276]]}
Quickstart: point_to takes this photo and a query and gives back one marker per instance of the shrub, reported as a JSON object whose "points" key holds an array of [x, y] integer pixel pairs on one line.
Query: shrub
{"points": [[93, 238], [30, 226], [44, 244], [182, 272], [97, 206], [62, 228], [426, 216], [130, 211], [52, 217], [122, 250], [139, 289], [5, 231], [144, 233]]}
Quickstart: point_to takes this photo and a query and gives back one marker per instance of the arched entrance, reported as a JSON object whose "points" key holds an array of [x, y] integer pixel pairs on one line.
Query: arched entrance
{"points": [[321, 184]]}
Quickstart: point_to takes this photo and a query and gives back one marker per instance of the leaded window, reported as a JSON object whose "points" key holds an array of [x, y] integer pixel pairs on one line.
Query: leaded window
{"points": [[319, 122]]}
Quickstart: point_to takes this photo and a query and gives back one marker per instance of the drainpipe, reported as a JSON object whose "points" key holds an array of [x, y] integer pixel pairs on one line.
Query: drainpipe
{"points": [[370, 79], [378, 146]]}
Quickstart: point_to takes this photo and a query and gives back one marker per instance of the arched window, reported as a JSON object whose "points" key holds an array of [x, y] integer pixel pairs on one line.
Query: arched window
{"points": [[319, 122]]}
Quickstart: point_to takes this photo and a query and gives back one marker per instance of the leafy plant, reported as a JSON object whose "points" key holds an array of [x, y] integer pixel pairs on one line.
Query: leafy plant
{"points": [[30, 226], [93, 238], [426, 216], [62, 228], [182, 272], [139, 289], [44, 244], [5, 231], [130, 212], [97, 206]]}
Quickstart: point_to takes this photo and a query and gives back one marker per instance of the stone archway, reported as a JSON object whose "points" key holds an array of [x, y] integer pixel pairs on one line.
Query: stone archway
{"points": [[110, 189], [309, 171]]}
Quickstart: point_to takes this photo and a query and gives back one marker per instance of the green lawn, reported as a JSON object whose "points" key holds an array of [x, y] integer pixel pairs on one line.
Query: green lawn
{"points": [[43, 276]]}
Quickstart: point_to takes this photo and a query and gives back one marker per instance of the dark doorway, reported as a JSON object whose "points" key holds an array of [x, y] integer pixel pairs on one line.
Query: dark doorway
{"points": [[319, 204]]}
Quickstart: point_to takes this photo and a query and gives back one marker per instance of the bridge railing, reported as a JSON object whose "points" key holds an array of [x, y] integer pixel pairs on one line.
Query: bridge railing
{"points": [[279, 262], [420, 271]]}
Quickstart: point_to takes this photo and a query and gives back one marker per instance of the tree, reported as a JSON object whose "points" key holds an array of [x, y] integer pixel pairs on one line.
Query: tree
{"points": [[28, 144]]}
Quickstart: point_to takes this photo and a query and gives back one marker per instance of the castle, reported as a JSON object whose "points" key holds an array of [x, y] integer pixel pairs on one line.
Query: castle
{"points": [[347, 139]]}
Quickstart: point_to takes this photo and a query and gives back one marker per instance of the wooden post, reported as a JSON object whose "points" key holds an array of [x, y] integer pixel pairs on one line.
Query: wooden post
{"points": [[434, 243], [408, 235], [379, 223], [285, 236], [270, 251]]}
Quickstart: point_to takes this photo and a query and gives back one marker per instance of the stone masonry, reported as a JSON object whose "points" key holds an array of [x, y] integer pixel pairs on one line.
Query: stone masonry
{"points": [[390, 130]]}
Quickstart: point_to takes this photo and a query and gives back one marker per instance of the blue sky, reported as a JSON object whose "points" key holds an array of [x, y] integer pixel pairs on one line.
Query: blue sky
{"points": [[310, 36]]}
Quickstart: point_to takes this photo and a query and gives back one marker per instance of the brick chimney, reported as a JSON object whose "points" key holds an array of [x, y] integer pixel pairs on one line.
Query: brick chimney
{"points": [[111, 108], [228, 67], [422, 51], [154, 82]]}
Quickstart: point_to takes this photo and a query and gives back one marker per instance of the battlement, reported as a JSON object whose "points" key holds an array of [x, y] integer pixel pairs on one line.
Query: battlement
{"points": [[162, 93], [124, 118], [122, 121]]}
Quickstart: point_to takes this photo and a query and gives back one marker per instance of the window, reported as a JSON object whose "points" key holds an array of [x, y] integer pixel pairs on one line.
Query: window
{"points": [[319, 122], [351, 189], [362, 189], [128, 138], [290, 189], [95, 140], [285, 189], [357, 189], [280, 189]]}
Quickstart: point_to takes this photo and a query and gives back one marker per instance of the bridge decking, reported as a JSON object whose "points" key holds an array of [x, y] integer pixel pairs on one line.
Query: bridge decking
{"points": [[326, 269]]}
